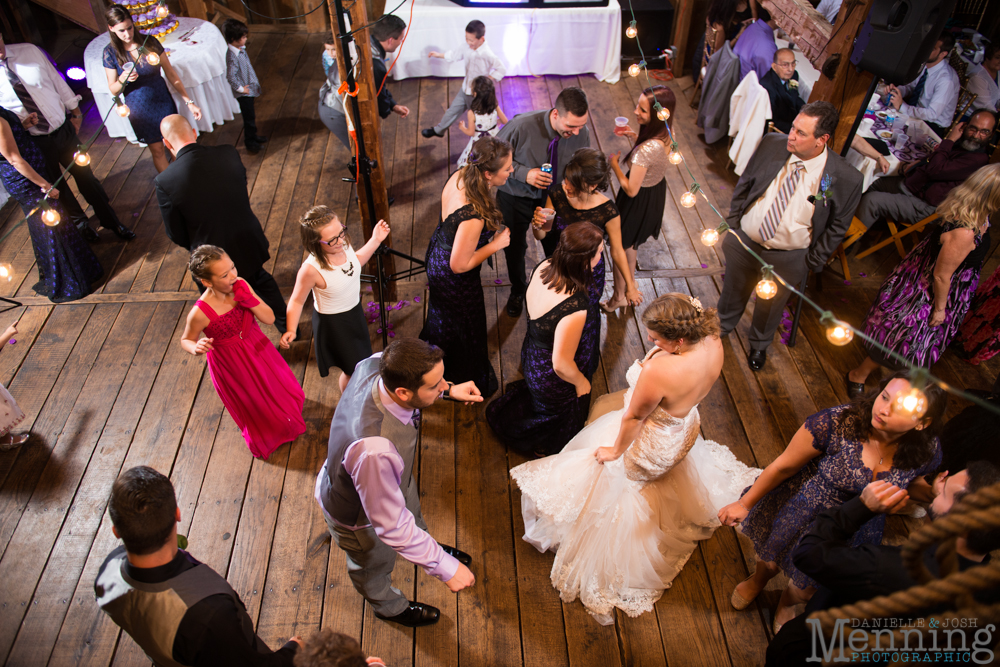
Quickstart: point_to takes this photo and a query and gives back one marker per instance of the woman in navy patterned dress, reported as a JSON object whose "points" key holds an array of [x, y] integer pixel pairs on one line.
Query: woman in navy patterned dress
{"points": [[66, 264], [541, 413], [578, 198], [922, 303], [126, 63], [830, 459], [471, 230]]}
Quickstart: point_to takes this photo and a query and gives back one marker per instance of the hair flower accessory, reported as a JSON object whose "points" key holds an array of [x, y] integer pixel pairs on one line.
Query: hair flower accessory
{"points": [[697, 304], [824, 190]]}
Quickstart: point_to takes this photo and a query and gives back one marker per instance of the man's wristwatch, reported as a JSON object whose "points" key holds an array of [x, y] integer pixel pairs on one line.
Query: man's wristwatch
{"points": [[446, 394]]}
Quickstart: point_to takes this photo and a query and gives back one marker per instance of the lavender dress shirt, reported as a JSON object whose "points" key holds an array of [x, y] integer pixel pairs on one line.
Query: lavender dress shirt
{"points": [[376, 468], [756, 48]]}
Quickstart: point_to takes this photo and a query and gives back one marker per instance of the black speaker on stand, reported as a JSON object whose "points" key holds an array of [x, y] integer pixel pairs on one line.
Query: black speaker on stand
{"points": [[654, 23]]}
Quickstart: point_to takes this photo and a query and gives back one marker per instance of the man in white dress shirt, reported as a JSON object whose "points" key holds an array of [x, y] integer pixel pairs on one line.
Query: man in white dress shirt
{"points": [[479, 61], [985, 82], [933, 95], [32, 88]]}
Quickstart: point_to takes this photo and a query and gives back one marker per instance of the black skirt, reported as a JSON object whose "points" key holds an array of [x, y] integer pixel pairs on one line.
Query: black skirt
{"points": [[341, 340], [642, 215]]}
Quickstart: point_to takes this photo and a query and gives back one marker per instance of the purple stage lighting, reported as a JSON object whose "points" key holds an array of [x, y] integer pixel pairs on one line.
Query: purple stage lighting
{"points": [[76, 73]]}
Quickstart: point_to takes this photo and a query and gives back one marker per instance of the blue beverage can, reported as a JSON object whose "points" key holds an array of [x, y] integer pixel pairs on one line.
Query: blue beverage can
{"points": [[547, 168]]}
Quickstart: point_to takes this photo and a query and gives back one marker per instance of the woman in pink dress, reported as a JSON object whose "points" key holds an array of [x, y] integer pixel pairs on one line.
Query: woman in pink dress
{"points": [[253, 381]]}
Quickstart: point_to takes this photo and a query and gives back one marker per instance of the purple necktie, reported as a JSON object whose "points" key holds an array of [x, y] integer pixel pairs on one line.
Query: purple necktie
{"points": [[554, 157]]}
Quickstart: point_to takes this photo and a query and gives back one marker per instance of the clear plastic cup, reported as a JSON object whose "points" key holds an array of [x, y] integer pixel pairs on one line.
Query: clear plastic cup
{"points": [[621, 121], [550, 216]]}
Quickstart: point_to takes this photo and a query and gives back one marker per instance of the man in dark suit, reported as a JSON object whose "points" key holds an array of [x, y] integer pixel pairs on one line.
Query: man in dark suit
{"points": [[782, 85], [848, 573], [203, 200], [792, 206]]}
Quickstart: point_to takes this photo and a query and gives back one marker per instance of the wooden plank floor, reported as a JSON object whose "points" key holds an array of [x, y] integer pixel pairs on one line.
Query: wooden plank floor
{"points": [[106, 386]]}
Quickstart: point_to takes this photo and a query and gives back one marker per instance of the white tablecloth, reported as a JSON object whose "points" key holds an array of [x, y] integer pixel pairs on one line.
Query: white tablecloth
{"points": [[556, 40], [912, 150], [197, 51]]}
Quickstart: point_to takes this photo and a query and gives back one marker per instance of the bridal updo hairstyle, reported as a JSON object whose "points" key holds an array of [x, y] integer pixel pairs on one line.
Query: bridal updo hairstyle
{"points": [[675, 316], [588, 171], [201, 261], [488, 155], [314, 220], [569, 269]]}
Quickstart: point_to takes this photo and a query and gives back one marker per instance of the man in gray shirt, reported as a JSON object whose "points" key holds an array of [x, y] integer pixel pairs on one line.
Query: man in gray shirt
{"points": [[549, 136]]}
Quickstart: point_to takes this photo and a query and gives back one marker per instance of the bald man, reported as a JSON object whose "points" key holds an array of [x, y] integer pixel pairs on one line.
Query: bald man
{"points": [[782, 85], [203, 200]]}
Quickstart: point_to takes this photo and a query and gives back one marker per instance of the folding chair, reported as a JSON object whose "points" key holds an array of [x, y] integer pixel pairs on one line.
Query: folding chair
{"points": [[855, 232], [895, 234]]}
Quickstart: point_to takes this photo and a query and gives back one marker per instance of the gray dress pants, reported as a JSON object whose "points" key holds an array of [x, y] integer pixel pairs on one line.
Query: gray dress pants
{"points": [[887, 197], [459, 106]]}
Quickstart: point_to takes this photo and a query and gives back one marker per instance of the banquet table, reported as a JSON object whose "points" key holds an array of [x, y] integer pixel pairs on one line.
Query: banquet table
{"points": [[197, 51], [552, 40], [920, 141]]}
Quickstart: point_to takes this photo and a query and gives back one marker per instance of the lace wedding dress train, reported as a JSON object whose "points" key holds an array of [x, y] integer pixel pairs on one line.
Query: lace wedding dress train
{"points": [[623, 530]]}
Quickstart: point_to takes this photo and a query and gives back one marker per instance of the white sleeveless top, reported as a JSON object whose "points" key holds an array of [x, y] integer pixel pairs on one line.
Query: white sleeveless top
{"points": [[343, 285]]}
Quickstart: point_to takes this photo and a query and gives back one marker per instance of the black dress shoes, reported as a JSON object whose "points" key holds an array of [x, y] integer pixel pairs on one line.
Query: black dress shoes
{"points": [[429, 133], [514, 304], [415, 616], [854, 389], [260, 139], [122, 232], [756, 359], [89, 234], [457, 554]]}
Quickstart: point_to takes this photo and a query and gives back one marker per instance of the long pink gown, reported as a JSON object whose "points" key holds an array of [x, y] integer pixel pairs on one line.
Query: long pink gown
{"points": [[253, 381]]}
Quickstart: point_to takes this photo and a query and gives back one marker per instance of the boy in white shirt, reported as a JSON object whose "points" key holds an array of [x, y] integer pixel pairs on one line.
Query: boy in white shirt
{"points": [[479, 61]]}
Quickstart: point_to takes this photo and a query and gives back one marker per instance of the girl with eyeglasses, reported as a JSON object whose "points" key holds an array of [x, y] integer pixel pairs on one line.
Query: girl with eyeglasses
{"points": [[332, 272]]}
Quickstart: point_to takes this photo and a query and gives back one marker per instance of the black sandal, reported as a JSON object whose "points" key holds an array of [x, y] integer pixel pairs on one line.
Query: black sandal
{"points": [[854, 389]]}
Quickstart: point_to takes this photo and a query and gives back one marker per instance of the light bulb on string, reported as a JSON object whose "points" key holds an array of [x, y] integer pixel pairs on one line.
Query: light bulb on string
{"points": [[662, 112], [912, 402], [152, 59], [161, 12], [122, 109], [81, 157], [766, 288], [634, 69], [839, 333], [6, 272], [710, 237], [675, 157], [688, 199], [631, 31], [50, 217]]}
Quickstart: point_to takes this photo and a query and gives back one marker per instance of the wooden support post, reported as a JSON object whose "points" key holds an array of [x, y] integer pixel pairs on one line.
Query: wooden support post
{"points": [[679, 38], [316, 21], [364, 115], [196, 9]]}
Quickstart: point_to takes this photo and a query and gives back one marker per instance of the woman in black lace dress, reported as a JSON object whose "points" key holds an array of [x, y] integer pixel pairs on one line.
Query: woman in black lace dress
{"points": [[470, 231], [541, 413], [578, 198]]}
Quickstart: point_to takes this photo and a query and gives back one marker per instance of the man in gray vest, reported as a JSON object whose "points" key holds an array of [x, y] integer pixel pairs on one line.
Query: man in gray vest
{"points": [[179, 611], [366, 487]]}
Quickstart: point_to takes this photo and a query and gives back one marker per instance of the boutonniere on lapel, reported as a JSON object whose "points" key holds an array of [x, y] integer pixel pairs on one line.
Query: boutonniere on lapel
{"points": [[793, 84], [824, 191]]}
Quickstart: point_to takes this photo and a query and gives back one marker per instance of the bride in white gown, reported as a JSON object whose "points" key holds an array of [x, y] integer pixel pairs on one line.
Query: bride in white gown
{"points": [[624, 526]]}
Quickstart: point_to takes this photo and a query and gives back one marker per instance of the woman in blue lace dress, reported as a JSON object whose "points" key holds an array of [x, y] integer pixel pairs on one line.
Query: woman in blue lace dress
{"points": [[830, 459], [541, 413], [66, 264], [578, 198], [923, 302], [471, 230], [127, 66]]}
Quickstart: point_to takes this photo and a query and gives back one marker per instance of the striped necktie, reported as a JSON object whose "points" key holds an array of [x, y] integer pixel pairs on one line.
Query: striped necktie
{"points": [[773, 218], [27, 101], [913, 99]]}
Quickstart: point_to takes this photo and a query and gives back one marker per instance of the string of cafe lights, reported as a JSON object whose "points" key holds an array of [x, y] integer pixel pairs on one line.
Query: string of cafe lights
{"points": [[913, 401], [50, 216]]}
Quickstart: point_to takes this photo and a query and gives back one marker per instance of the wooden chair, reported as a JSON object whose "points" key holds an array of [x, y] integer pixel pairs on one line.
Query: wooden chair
{"points": [[855, 232], [896, 234], [965, 100]]}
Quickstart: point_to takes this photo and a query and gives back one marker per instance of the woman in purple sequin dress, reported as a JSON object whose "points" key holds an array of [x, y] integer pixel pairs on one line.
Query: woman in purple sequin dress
{"points": [[471, 231], [922, 303], [66, 264], [830, 459], [578, 198], [541, 413]]}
